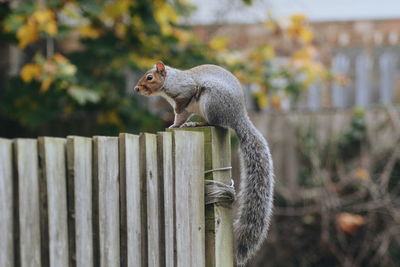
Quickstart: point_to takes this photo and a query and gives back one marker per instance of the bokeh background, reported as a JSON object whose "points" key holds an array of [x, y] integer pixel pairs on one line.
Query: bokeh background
{"points": [[321, 80]]}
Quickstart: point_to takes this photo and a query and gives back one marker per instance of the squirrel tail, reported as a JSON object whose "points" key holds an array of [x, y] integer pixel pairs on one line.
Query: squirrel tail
{"points": [[256, 191]]}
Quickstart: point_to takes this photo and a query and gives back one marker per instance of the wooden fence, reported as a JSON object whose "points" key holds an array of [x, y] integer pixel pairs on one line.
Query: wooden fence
{"points": [[114, 201]]}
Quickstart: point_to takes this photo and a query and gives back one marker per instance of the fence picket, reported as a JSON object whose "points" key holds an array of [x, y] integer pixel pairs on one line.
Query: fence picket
{"points": [[189, 175], [133, 228], [165, 167], [79, 162], [29, 223], [6, 204], [148, 143], [53, 158], [106, 172]]}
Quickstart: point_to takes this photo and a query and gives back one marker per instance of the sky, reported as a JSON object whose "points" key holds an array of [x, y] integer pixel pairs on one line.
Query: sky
{"points": [[234, 11]]}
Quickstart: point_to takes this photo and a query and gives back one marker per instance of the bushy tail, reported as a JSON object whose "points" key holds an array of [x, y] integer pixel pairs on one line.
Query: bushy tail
{"points": [[256, 191]]}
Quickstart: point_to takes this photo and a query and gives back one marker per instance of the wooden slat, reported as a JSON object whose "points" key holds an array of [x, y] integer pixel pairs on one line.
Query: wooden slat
{"points": [[107, 175], [53, 156], [133, 228], [148, 143], [26, 156], [79, 157], [6, 204], [189, 190], [167, 183]]}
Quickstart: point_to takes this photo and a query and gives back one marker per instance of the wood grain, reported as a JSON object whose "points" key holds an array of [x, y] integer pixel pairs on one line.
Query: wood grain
{"points": [[53, 154], [6, 204]]}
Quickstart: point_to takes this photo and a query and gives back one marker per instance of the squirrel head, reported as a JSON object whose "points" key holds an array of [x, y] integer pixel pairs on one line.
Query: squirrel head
{"points": [[152, 81]]}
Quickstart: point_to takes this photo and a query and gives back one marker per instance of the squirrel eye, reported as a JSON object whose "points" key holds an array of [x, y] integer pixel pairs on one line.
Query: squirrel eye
{"points": [[149, 77]]}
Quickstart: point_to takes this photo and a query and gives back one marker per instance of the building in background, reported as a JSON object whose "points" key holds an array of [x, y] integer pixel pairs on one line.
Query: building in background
{"points": [[361, 43]]}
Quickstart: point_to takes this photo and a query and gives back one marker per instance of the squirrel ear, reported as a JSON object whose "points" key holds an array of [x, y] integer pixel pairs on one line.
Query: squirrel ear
{"points": [[160, 67]]}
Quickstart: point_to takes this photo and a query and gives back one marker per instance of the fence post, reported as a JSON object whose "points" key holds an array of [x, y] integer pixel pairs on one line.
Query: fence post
{"points": [[219, 233]]}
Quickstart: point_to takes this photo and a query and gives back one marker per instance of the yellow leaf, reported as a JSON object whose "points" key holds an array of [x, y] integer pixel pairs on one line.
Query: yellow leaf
{"points": [[142, 62], [120, 30], [88, 31], [27, 34], [304, 54], [268, 52], [110, 117], [306, 35], [43, 16], [298, 18], [218, 43], [50, 28], [30, 71], [276, 102], [46, 84]]}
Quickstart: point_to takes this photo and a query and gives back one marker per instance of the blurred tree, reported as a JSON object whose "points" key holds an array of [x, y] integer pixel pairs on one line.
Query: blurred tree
{"points": [[79, 53], [282, 70]]}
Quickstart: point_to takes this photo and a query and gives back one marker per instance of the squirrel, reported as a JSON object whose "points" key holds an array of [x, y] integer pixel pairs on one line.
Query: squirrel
{"points": [[215, 94]]}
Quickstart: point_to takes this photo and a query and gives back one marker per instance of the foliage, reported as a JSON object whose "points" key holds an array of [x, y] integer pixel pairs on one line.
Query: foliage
{"points": [[278, 74], [79, 53]]}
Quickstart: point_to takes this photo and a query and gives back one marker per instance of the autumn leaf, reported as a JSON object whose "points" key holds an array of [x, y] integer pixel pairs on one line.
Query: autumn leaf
{"points": [[276, 102], [218, 43], [361, 173], [43, 16], [348, 222], [46, 84], [298, 18], [30, 71], [87, 31], [262, 99], [27, 35]]}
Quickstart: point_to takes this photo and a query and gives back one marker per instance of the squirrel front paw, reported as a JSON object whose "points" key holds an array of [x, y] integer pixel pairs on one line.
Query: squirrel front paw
{"points": [[193, 124], [173, 126]]}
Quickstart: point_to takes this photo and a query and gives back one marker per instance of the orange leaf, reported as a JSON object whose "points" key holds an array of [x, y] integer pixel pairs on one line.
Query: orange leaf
{"points": [[361, 173], [27, 34], [348, 222], [30, 71]]}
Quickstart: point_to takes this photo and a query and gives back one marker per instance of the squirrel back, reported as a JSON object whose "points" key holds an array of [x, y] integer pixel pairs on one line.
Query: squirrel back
{"points": [[216, 94]]}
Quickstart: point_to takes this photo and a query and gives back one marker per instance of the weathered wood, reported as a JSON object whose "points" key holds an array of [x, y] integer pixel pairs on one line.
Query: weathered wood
{"points": [[26, 156], [219, 234], [79, 162], [132, 227], [189, 194], [148, 145], [6, 204], [106, 173], [167, 184], [53, 160]]}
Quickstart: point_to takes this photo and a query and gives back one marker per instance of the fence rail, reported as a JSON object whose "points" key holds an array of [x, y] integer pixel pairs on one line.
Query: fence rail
{"points": [[113, 201]]}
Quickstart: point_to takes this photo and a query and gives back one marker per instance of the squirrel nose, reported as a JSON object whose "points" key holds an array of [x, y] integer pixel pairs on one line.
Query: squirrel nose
{"points": [[136, 89]]}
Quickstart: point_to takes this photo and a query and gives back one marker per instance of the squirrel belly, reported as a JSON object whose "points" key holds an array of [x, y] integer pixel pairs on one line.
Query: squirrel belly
{"points": [[216, 94]]}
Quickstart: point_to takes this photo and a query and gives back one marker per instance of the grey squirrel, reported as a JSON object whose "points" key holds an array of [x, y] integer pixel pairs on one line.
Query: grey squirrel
{"points": [[216, 94]]}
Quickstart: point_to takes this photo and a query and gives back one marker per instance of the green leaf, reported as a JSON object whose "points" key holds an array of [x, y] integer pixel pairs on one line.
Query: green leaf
{"points": [[83, 95]]}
